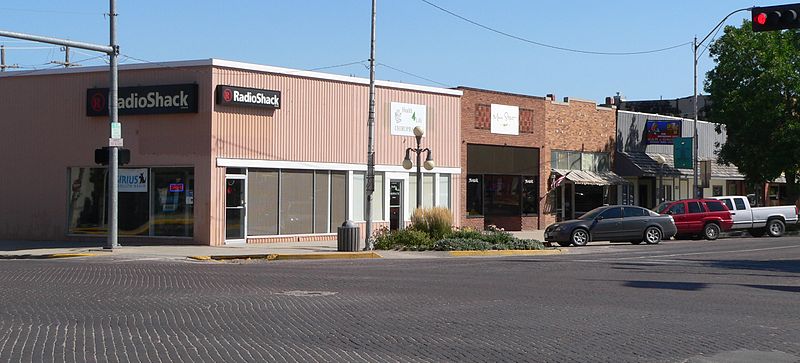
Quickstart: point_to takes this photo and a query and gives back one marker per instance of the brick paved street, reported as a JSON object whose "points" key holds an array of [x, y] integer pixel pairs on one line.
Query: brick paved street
{"points": [[679, 301]]}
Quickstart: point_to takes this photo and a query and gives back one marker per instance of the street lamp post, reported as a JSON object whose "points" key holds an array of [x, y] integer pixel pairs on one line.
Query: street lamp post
{"points": [[418, 132], [660, 194]]}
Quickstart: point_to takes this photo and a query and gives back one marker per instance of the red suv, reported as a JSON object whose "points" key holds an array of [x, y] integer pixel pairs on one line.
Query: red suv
{"points": [[705, 217]]}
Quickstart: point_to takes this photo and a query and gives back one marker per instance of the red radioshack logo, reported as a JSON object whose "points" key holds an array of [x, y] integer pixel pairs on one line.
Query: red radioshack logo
{"points": [[227, 95], [98, 102]]}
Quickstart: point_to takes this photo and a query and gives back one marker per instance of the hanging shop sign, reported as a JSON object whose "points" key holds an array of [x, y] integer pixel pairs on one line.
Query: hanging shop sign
{"points": [[240, 96], [145, 100], [132, 180], [505, 119], [405, 116], [660, 132]]}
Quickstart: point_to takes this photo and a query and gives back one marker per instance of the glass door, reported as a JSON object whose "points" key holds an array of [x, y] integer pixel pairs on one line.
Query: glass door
{"points": [[235, 209], [395, 204]]}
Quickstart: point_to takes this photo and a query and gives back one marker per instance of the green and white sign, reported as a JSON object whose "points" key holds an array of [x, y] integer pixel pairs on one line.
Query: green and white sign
{"points": [[682, 152]]}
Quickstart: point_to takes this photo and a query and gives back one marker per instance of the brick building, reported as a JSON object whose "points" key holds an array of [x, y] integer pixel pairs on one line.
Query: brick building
{"points": [[515, 149]]}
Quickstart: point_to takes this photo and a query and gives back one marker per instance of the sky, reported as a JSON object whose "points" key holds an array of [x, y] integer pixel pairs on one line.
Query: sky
{"points": [[417, 41]]}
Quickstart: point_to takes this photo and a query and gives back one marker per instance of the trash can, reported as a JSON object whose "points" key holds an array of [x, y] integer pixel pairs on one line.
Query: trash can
{"points": [[347, 237]]}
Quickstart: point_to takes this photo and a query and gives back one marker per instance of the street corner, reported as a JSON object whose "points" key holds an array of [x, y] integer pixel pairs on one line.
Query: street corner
{"points": [[489, 253], [288, 256], [45, 256]]}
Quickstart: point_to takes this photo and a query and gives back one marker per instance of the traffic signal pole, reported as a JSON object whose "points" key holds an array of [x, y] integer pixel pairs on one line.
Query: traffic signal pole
{"points": [[698, 191], [115, 141]]}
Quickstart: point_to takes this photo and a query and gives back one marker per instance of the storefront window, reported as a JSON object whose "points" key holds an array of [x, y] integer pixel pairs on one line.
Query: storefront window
{"points": [[530, 195], [377, 198], [502, 195], [358, 196], [474, 195], [444, 191], [87, 202], [338, 199], [427, 190], [262, 207], [173, 202], [152, 202], [322, 196], [297, 202]]}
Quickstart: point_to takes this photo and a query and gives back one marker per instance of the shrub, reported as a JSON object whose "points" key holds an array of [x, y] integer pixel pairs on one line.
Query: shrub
{"points": [[498, 237], [466, 232], [461, 244], [436, 222], [402, 239]]}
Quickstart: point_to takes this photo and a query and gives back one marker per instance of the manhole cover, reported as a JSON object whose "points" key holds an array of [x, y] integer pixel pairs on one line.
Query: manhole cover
{"points": [[307, 293]]}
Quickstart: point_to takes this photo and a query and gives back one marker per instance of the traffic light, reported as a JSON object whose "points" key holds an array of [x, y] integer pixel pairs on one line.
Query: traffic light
{"points": [[776, 17], [101, 156]]}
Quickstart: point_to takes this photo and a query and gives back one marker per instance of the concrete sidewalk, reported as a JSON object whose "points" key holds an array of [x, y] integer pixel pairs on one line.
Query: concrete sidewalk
{"points": [[283, 250]]}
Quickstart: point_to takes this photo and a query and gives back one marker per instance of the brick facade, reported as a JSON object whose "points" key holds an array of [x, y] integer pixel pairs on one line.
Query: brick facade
{"points": [[544, 124], [577, 125], [475, 129]]}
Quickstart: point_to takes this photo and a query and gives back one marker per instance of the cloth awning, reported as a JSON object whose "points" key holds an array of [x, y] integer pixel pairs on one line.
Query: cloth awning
{"points": [[584, 177]]}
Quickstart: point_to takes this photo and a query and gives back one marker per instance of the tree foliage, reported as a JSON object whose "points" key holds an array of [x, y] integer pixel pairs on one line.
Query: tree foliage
{"points": [[755, 91]]}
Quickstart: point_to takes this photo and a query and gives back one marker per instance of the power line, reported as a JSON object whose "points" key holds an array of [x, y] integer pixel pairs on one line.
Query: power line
{"points": [[412, 74], [361, 62], [24, 73], [549, 45], [49, 11]]}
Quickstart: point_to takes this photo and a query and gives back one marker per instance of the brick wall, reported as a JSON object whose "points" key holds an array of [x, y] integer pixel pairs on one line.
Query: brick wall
{"points": [[576, 125], [475, 129]]}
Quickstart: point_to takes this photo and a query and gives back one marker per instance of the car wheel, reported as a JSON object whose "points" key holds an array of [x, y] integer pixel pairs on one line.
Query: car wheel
{"points": [[636, 242], [652, 235], [775, 227], [580, 237], [564, 244], [757, 232], [711, 231]]}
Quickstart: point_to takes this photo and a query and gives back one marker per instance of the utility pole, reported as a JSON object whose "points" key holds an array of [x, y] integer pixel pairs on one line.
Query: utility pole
{"points": [[66, 63], [3, 65], [698, 191], [115, 141], [371, 141]]}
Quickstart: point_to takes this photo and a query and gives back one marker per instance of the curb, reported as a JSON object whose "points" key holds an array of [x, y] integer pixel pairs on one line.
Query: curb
{"points": [[289, 256], [505, 253], [46, 256]]}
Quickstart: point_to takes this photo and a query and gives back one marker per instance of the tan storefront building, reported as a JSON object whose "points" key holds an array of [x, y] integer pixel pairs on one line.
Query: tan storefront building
{"points": [[221, 152]]}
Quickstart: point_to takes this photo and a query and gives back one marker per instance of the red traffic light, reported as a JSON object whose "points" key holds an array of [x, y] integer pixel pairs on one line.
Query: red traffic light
{"points": [[778, 17], [760, 19]]}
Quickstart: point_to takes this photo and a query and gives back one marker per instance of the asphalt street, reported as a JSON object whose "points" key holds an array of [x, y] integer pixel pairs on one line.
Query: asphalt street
{"points": [[680, 301]]}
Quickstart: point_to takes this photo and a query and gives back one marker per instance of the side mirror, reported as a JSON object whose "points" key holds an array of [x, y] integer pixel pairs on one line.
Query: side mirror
{"points": [[599, 218], [670, 212]]}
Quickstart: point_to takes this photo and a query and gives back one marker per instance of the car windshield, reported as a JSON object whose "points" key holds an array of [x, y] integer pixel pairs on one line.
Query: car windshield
{"points": [[661, 207], [592, 213]]}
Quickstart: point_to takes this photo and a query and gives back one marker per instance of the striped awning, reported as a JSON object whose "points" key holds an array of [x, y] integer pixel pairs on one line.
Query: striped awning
{"points": [[584, 177]]}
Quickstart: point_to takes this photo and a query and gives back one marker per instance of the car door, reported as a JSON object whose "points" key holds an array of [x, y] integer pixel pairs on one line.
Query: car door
{"points": [[695, 216], [607, 225], [634, 222], [678, 212]]}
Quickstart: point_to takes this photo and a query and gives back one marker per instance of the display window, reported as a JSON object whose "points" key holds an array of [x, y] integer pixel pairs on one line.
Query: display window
{"points": [[152, 201]]}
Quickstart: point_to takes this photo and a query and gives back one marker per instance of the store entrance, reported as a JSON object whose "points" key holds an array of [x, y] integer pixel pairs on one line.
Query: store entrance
{"points": [[395, 204], [235, 209]]}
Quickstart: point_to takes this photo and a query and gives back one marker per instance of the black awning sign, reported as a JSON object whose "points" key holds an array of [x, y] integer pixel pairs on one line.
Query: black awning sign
{"points": [[240, 96], [145, 100]]}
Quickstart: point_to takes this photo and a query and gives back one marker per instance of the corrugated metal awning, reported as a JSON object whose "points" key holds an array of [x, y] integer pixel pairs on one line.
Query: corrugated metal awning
{"points": [[584, 177]]}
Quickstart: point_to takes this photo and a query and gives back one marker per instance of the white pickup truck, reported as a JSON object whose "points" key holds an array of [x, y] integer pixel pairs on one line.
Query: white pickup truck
{"points": [[759, 220]]}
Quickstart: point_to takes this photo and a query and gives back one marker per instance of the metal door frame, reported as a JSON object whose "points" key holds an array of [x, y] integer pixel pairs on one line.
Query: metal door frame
{"points": [[243, 240]]}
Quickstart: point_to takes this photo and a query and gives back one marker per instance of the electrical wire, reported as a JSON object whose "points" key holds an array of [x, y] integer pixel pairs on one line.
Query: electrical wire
{"points": [[338, 65], [549, 45], [413, 75], [49, 11], [24, 73]]}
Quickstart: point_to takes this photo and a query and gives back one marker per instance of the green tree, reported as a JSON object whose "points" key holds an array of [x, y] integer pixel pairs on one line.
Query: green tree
{"points": [[754, 90]]}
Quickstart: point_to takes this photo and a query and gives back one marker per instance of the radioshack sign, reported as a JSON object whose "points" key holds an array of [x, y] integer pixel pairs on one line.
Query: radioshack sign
{"points": [[240, 96], [146, 100]]}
